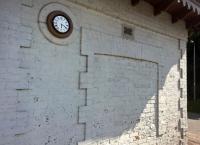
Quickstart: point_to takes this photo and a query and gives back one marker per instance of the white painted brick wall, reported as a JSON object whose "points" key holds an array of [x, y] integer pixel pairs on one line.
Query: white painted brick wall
{"points": [[49, 93]]}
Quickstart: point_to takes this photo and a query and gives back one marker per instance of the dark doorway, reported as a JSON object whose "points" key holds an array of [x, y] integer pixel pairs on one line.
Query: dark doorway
{"points": [[193, 72]]}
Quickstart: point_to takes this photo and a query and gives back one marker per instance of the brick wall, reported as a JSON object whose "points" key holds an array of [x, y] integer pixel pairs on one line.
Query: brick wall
{"points": [[95, 87]]}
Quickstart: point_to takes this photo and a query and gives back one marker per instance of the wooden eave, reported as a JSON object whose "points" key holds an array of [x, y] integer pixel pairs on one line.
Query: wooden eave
{"points": [[186, 10]]}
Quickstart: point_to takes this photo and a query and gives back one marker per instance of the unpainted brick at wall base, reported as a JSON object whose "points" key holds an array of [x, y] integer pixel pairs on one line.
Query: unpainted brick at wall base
{"points": [[99, 88]]}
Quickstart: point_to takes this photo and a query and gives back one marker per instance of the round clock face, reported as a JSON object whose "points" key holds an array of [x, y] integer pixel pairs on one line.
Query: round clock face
{"points": [[59, 24]]}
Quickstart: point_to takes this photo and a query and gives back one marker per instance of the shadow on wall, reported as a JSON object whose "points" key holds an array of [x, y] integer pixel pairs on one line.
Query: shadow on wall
{"points": [[120, 86], [123, 86], [123, 92], [122, 89], [123, 103]]}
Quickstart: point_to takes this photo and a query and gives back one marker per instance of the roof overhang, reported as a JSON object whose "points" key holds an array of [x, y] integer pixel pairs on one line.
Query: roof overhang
{"points": [[187, 10]]}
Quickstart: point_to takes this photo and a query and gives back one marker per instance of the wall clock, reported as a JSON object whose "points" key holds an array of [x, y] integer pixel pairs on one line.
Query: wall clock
{"points": [[59, 24]]}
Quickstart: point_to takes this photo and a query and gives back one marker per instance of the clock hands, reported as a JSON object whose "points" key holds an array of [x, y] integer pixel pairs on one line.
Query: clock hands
{"points": [[64, 26]]}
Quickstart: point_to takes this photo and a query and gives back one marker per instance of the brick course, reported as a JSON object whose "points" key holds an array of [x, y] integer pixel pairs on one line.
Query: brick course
{"points": [[72, 92]]}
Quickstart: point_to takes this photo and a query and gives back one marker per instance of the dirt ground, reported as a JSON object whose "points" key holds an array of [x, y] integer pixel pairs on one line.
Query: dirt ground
{"points": [[193, 129]]}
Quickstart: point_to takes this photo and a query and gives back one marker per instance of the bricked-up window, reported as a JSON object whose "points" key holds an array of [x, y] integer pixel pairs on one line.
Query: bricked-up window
{"points": [[128, 32]]}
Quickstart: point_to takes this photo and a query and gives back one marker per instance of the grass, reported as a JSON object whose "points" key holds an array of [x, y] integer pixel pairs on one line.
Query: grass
{"points": [[194, 106]]}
